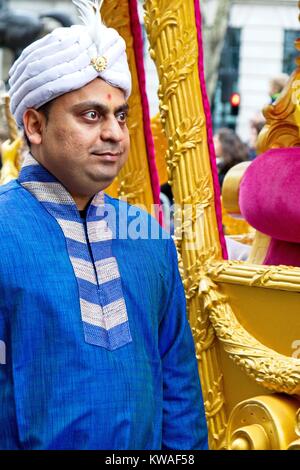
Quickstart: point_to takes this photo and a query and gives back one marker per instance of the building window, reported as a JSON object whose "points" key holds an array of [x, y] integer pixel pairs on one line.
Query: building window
{"points": [[289, 51], [227, 81]]}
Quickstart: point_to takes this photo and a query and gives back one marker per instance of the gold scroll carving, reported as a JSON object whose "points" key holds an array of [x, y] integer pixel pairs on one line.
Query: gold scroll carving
{"points": [[274, 371]]}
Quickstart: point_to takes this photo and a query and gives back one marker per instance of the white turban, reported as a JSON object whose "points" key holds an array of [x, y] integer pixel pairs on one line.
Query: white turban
{"points": [[68, 59]]}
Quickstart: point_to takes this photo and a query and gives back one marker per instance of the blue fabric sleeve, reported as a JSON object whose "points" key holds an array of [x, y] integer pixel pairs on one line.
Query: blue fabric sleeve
{"points": [[8, 428], [184, 423]]}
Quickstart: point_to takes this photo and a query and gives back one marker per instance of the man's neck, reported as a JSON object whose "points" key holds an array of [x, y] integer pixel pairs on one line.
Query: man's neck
{"points": [[81, 202]]}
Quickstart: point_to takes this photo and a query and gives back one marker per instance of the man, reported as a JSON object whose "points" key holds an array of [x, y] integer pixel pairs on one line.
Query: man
{"points": [[99, 354], [276, 85]]}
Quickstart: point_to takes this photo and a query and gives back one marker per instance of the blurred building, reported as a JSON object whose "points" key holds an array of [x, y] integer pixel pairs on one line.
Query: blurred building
{"points": [[259, 45], [33, 8]]}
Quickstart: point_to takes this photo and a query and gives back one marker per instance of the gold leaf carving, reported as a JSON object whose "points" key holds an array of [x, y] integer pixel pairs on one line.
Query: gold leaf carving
{"points": [[267, 367], [204, 336], [158, 16], [194, 272], [237, 272], [132, 185], [264, 277], [178, 65], [187, 136], [202, 194], [215, 398]]}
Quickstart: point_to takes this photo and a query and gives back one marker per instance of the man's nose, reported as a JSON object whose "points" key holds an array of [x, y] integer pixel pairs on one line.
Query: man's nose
{"points": [[111, 130]]}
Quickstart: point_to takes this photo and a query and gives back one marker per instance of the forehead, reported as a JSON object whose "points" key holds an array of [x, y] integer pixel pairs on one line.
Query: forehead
{"points": [[97, 90]]}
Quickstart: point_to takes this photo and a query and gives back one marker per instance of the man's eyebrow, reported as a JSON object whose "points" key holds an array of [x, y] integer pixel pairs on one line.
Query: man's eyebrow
{"points": [[101, 108], [124, 108]]}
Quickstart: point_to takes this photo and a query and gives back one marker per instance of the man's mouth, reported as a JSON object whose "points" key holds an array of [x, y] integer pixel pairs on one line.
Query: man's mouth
{"points": [[107, 156]]}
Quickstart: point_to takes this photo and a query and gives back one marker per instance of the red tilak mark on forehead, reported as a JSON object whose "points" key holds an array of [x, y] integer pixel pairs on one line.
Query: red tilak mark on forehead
{"points": [[109, 96]]}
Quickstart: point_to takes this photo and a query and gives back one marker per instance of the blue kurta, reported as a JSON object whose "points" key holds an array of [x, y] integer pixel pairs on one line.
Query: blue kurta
{"points": [[62, 385]]}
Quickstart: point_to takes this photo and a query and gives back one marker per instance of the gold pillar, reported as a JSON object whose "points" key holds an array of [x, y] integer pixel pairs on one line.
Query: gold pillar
{"points": [[133, 182], [172, 35]]}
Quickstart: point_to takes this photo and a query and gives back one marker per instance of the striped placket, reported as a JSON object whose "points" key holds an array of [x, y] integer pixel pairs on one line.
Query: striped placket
{"points": [[102, 304]]}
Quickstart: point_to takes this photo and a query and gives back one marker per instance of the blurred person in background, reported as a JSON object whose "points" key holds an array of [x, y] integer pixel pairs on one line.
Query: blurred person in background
{"points": [[230, 150], [256, 124], [276, 85]]}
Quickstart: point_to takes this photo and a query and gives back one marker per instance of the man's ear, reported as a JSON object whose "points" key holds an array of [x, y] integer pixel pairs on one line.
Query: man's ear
{"points": [[34, 123]]}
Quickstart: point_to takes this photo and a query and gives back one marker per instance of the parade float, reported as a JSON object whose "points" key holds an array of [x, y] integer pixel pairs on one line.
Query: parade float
{"points": [[244, 315]]}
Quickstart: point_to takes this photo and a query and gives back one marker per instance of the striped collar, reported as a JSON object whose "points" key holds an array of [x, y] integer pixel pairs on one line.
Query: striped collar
{"points": [[89, 246]]}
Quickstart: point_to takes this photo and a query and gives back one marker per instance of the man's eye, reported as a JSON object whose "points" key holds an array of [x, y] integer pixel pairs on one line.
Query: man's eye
{"points": [[93, 115], [122, 117]]}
